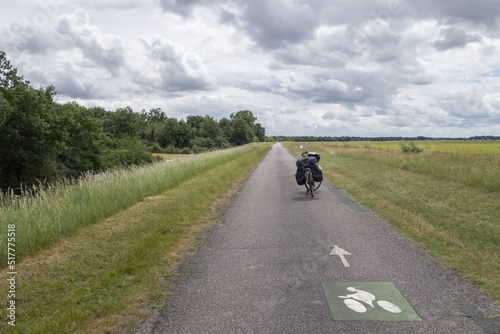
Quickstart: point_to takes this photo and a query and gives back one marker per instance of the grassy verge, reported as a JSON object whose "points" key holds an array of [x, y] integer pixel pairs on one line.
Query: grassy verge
{"points": [[446, 203], [46, 214], [108, 276], [445, 146]]}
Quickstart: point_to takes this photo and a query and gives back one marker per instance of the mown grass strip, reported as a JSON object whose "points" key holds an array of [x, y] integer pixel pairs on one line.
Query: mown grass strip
{"points": [[456, 221], [49, 213], [106, 276]]}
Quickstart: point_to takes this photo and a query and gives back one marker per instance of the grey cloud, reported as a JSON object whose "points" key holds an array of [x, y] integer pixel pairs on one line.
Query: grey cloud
{"points": [[479, 12], [107, 51], [228, 17], [172, 69], [329, 115], [423, 79], [305, 56], [454, 38], [68, 80], [279, 23], [22, 39], [181, 7], [32, 40], [341, 86], [113, 4], [465, 104], [75, 87]]}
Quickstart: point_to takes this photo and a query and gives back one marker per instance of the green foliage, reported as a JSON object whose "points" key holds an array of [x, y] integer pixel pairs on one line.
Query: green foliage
{"points": [[127, 151], [241, 132], [176, 134], [410, 148], [124, 121], [29, 139], [83, 139], [255, 131]]}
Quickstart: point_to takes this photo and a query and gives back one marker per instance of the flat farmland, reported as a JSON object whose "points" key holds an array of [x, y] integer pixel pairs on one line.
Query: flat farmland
{"points": [[447, 146]]}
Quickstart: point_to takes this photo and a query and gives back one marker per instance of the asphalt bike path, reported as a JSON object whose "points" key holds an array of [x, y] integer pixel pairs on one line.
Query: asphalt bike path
{"points": [[284, 262]]}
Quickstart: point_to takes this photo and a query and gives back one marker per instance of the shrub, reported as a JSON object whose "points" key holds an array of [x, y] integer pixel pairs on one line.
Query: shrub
{"points": [[410, 148]]}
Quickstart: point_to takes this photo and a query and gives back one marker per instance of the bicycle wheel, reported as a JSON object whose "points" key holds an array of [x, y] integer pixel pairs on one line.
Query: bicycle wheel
{"points": [[310, 182], [355, 305], [388, 306], [317, 185]]}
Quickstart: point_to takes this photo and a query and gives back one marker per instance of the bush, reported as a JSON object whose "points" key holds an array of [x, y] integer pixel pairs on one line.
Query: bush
{"points": [[127, 151], [410, 148], [156, 148]]}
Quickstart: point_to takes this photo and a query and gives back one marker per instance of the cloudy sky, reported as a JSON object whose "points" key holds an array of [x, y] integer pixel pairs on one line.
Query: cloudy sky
{"points": [[316, 67]]}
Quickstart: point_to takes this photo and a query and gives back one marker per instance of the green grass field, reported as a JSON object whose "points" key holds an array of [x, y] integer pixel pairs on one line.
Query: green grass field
{"points": [[445, 146], [445, 199]]}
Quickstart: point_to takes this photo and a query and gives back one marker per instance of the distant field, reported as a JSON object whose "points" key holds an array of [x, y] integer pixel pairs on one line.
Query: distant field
{"points": [[453, 146]]}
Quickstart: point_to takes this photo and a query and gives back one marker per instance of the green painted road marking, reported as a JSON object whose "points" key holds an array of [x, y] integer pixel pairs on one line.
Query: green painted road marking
{"points": [[379, 301]]}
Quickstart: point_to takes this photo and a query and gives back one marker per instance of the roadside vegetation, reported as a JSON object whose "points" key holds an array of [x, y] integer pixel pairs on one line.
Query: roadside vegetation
{"points": [[447, 202], [115, 264], [44, 214]]}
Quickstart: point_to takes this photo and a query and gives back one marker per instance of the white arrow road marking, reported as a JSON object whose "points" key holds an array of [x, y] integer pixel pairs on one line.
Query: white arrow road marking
{"points": [[341, 253]]}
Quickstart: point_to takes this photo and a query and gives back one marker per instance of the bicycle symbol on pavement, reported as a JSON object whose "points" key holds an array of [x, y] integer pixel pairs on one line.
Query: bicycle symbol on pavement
{"points": [[379, 301], [352, 301]]}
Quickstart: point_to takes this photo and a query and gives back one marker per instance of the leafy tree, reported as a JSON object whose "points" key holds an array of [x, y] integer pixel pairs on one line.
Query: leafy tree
{"points": [[247, 115], [176, 134], [241, 132], [170, 133], [260, 132], [225, 126], [210, 128], [124, 121], [195, 122], [83, 140], [153, 124], [185, 134], [29, 136]]}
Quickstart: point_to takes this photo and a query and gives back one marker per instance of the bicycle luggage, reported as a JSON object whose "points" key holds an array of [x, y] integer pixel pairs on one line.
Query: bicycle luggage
{"points": [[300, 176], [311, 160], [317, 173], [315, 155]]}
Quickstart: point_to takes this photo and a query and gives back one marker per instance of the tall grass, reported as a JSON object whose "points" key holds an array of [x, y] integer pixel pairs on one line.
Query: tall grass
{"points": [[44, 214], [478, 170], [453, 146]]}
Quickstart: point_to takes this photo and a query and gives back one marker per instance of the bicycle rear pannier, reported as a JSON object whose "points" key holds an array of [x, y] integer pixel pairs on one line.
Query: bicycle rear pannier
{"points": [[317, 173], [300, 176]]}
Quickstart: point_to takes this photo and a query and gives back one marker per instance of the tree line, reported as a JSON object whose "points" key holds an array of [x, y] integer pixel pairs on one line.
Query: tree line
{"points": [[45, 141]]}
